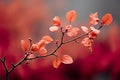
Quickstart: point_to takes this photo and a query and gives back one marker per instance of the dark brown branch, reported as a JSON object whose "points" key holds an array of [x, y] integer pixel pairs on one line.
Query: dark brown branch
{"points": [[19, 63], [3, 61]]}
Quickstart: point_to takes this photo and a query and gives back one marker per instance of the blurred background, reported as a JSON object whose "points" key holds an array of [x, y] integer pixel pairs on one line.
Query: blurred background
{"points": [[20, 19]]}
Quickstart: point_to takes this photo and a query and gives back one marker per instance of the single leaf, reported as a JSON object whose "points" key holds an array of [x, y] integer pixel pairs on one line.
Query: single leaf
{"points": [[71, 15], [56, 62], [35, 47], [53, 28], [47, 39], [56, 21], [84, 29], [107, 19], [66, 59], [41, 44], [24, 45], [43, 51]]}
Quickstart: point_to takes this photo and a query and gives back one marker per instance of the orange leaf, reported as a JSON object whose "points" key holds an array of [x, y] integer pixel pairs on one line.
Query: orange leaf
{"points": [[31, 56], [53, 28], [35, 47], [47, 39], [71, 15], [107, 19], [73, 31], [56, 21], [43, 51], [85, 29], [41, 44], [68, 27], [24, 45], [66, 59], [87, 42], [56, 62]]}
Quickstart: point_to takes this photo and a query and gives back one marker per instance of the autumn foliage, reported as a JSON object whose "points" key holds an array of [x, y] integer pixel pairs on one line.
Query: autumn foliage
{"points": [[89, 34]]}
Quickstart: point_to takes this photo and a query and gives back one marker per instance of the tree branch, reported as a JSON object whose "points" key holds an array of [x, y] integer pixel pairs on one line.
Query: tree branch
{"points": [[19, 63], [3, 61], [25, 58]]}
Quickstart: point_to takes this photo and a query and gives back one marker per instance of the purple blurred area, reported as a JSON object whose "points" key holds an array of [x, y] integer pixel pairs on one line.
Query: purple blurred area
{"points": [[20, 19]]}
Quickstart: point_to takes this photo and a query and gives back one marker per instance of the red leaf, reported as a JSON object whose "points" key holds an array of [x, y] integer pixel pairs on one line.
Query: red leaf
{"points": [[107, 19]]}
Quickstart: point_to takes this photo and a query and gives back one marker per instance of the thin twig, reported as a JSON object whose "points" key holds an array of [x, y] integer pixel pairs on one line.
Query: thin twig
{"points": [[74, 39], [4, 63], [19, 63]]}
